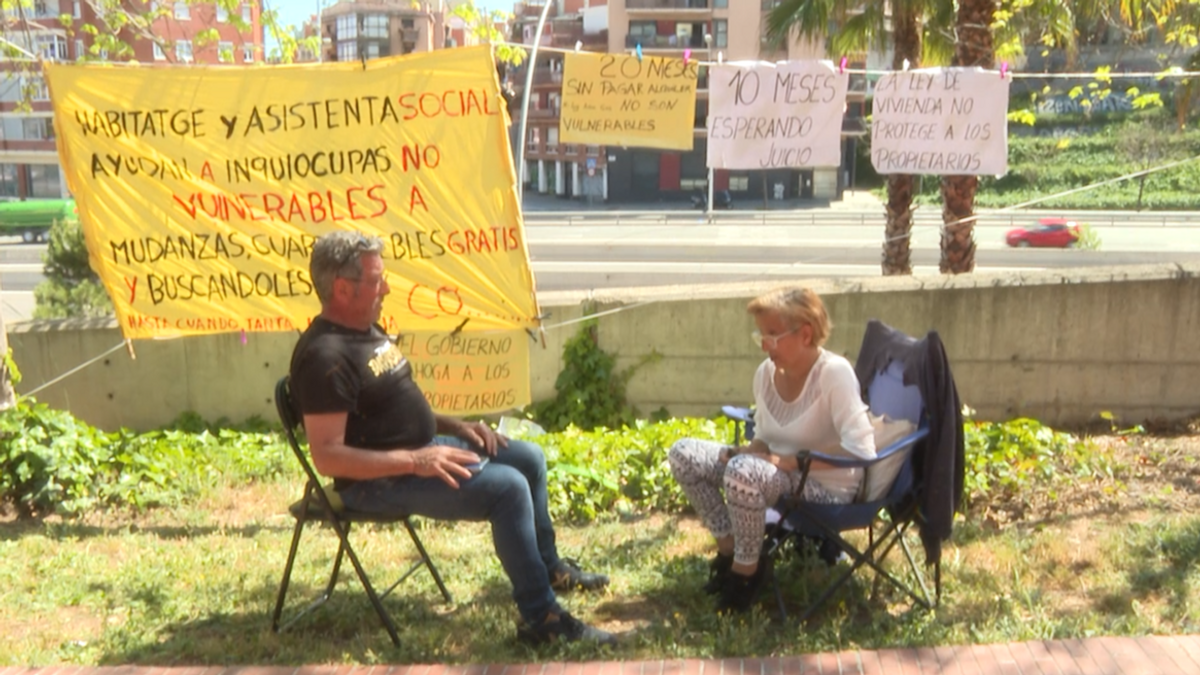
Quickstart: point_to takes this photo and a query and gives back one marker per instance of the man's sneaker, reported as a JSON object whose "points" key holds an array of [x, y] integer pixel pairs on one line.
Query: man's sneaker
{"points": [[562, 626], [568, 577]]}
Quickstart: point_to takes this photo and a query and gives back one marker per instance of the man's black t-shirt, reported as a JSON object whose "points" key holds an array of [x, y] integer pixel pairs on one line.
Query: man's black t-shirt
{"points": [[362, 373]]}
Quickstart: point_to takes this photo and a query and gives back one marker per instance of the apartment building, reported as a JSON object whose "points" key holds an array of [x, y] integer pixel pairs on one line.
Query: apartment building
{"points": [[28, 160], [709, 29], [368, 29], [563, 169]]}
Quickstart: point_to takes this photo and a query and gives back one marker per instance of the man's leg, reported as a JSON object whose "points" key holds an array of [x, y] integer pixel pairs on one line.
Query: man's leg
{"points": [[529, 459], [499, 495]]}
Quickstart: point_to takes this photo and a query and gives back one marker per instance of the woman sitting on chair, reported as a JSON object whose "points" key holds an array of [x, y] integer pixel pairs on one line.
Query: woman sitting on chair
{"points": [[805, 399]]}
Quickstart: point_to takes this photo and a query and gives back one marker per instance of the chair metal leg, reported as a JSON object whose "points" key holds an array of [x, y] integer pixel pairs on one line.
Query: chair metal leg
{"points": [[343, 531], [428, 562], [287, 576]]}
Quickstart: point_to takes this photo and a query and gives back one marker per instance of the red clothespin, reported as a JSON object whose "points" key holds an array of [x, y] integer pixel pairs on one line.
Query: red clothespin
{"points": [[687, 55], [1003, 69], [842, 66]]}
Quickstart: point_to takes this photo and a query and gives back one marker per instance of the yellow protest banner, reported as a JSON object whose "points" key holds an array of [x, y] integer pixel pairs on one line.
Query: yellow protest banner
{"points": [[613, 99], [201, 191]]}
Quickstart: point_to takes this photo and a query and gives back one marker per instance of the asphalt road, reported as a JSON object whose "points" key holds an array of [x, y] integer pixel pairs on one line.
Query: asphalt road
{"points": [[597, 250]]}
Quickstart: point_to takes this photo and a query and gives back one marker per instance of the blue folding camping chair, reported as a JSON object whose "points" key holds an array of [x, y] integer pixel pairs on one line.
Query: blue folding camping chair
{"points": [[891, 497]]}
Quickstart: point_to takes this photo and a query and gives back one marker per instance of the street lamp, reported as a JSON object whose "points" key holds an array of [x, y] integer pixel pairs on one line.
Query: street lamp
{"points": [[708, 41]]}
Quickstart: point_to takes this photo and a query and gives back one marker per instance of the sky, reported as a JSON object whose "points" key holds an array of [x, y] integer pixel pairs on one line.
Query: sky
{"points": [[295, 12]]}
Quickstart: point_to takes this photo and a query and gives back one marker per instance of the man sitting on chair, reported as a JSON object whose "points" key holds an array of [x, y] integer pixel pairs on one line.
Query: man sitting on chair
{"points": [[370, 428]]}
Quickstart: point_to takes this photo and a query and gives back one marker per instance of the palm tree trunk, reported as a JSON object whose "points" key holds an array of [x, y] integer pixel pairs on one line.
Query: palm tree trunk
{"points": [[972, 47], [897, 249]]}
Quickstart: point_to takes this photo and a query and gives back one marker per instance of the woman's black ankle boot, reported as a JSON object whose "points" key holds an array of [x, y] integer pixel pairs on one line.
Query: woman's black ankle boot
{"points": [[718, 570]]}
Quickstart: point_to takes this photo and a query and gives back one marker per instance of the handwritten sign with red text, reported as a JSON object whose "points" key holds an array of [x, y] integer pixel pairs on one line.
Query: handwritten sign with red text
{"points": [[201, 191]]}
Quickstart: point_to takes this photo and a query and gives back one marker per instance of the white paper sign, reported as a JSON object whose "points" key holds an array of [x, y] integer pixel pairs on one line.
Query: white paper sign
{"points": [[768, 115], [942, 122]]}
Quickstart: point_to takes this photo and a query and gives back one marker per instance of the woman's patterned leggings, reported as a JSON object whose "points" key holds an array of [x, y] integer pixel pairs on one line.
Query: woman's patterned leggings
{"points": [[751, 484]]}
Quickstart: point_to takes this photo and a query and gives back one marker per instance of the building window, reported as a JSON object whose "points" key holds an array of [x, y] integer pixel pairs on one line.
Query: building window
{"points": [[552, 139], [159, 54], [76, 12], [720, 4], [720, 33], [183, 51], [371, 50], [42, 10], [37, 129], [80, 49], [535, 138], [739, 183], [408, 24], [222, 13], [555, 101], [52, 47], [246, 16], [34, 86], [690, 184], [593, 151], [643, 29], [375, 26], [248, 53], [183, 11], [347, 51], [347, 27], [225, 51]]}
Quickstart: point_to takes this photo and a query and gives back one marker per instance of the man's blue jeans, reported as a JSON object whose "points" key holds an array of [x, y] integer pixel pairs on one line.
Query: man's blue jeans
{"points": [[509, 493]]}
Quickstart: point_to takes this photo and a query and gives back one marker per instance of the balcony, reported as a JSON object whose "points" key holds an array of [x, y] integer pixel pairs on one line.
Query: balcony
{"points": [[547, 77], [635, 5], [665, 42]]}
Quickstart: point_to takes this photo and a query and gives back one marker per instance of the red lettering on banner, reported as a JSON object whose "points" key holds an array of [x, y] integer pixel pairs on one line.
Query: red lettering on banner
{"points": [[454, 291], [132, 287], [412, 309], [206, 172], [414, 197]]}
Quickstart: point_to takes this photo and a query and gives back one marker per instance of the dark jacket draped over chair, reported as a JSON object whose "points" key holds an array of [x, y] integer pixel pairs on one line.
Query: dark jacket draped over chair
{"points": [[940, 464]]}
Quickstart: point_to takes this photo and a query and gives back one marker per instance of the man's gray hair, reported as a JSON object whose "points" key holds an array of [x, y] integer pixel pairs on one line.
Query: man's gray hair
{"points": [[339, 255]]}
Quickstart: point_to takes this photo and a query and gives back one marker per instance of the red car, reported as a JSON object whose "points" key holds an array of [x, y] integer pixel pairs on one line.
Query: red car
{"points": [[1054, 232]]}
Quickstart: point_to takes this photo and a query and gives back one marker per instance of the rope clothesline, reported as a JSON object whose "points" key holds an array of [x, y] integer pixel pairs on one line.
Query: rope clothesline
{"points": [[1171, 72]]}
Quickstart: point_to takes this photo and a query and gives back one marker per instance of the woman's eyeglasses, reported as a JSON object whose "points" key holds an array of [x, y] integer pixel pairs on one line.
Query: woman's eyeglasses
{"points": [[771, 341]]}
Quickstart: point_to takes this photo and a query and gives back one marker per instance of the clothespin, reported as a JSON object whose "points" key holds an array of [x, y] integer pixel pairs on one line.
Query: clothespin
{"points": [[578, 45], [842, 66], [687, 55], [720, 58], [638, 51], [1003, 69], [459, 327], [905, 64], [129, 348], [243, 337]]}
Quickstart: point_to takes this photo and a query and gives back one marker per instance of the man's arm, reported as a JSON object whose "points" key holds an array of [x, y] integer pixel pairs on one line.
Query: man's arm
{"points": [[333, 457], [476, 433]]}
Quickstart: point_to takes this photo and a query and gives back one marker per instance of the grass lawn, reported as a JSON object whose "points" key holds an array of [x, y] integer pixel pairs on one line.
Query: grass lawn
{"points": [[195, 584]]}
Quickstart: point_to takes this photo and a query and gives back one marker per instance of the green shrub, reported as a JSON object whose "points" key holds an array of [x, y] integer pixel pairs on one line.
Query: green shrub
{"points": [[51, 462]]}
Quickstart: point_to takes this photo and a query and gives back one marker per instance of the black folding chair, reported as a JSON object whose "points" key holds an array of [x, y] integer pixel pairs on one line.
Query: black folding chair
{"points": [[321, 504]]}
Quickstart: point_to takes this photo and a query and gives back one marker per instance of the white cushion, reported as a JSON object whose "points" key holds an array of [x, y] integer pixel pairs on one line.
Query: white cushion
{"points": [[883, 473]]}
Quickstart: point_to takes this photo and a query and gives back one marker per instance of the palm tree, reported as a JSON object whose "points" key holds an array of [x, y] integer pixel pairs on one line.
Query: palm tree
{"points": [[862, 26], [973, 46]]}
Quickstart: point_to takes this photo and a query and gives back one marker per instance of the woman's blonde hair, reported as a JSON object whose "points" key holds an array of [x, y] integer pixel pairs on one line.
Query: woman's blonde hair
{"points": [[798, 306]]}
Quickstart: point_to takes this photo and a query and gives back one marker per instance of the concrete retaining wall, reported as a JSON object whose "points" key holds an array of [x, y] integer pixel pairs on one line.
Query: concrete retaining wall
{"points": [[1057, 346]]}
